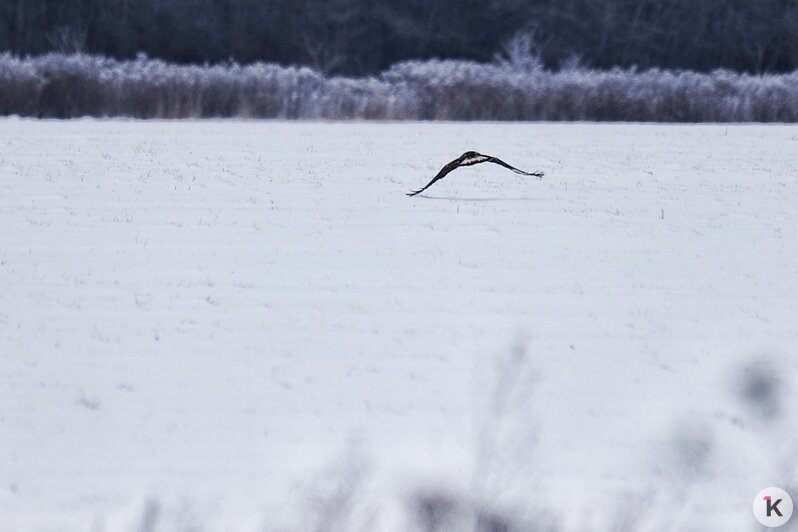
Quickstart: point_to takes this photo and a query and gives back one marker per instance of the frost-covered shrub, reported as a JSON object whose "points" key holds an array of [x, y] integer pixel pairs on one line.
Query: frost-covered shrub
{"points": [[20, 86], [65, 86]]}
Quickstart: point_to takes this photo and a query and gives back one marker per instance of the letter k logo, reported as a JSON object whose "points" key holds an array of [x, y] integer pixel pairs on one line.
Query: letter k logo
{"points": [[773, 507]]}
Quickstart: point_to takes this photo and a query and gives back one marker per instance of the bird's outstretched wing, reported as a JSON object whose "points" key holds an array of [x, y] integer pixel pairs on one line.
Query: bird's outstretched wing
{"points": [[445, 170], [468, 159], [498, 161]]}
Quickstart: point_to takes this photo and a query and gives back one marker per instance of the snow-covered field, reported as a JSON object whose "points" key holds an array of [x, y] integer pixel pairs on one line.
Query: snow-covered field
{"points": [[224, 326]]}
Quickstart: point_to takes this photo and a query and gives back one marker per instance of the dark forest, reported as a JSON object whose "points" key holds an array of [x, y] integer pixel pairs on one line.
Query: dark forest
{"points": [[357, 37]]}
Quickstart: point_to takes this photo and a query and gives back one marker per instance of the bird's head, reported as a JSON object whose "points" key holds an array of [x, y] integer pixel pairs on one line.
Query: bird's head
{"points": [[470, 155]]}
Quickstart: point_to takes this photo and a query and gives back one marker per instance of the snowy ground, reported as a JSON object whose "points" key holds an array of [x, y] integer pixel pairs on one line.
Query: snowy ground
{"points": [[248, 326]]}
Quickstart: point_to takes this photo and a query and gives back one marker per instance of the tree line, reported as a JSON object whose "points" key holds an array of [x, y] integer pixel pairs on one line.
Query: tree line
{"points": [[356, 37], [69, 86]]}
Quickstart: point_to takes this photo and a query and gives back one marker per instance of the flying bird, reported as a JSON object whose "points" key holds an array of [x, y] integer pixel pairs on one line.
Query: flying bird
{"points": [[470, 158]]}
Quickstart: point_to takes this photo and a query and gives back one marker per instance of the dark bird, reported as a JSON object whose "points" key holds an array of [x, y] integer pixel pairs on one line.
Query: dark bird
{"points": [[470, 158]]}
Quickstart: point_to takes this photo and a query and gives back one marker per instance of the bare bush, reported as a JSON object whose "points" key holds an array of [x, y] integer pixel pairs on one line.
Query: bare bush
{"points": [[514, 88]]}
